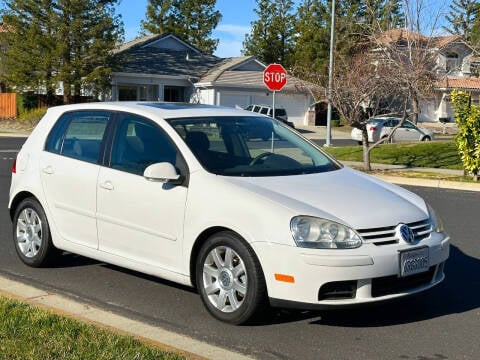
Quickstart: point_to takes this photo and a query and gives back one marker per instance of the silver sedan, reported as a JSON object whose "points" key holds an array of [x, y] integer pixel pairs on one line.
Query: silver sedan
{"points": [[379, 128]]}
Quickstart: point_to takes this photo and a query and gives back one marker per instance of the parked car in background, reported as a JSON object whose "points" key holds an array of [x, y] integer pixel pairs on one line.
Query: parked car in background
{"points": [[380, 127], [280, 113], [190, 193]]}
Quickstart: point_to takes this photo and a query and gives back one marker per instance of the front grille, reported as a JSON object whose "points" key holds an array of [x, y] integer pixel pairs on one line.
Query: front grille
{"points": [[387, 235], [389, 285]]}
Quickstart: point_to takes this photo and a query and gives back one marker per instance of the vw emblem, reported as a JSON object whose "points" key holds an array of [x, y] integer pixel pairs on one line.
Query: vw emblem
{"points": [[406, 234]]}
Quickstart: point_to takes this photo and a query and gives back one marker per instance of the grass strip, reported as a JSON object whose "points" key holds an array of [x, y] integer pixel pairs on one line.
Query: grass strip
{"points": [[434, 154], [27, 332]]}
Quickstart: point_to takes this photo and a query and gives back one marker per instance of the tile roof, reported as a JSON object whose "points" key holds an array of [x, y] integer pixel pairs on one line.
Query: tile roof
{"points": [[226, 64], [254, 79], [395, 35], [135, 57], [467, 83]]}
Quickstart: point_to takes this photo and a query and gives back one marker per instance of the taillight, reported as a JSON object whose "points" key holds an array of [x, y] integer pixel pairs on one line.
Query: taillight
{"points": [[372, 128], [14, 166]]}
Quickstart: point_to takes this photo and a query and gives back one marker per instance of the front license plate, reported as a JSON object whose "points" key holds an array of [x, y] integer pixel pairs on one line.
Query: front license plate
{"points": [[414, 261]]}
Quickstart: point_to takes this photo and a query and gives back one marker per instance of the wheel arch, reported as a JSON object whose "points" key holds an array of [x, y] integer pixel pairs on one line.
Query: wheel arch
{"points": [[22, 195], [204, 235]]}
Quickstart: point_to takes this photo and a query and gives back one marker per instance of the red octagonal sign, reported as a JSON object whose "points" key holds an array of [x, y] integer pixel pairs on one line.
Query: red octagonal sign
{"points": [[275, 77]]}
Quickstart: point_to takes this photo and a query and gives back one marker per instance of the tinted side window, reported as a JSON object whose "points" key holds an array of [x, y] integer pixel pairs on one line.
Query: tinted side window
{"points": [[139, 143], [264, 110], [79, 135]]}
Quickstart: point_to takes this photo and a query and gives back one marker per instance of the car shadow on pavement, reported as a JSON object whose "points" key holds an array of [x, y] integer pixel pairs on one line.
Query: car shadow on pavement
{"points": [[151, 278], [68, 260], [458, 293]]}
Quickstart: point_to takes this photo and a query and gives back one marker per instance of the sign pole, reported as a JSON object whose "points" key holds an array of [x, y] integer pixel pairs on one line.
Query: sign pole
{"points": [[273, 116], [273, 104]]}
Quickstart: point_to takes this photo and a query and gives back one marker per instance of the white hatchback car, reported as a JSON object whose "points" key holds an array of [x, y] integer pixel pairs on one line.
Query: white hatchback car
{"points": [[192, 194], [380, 127]]}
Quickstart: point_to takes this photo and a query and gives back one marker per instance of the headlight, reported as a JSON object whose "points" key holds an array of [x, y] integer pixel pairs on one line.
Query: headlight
{"points": [[311, 232], [436, 222]]}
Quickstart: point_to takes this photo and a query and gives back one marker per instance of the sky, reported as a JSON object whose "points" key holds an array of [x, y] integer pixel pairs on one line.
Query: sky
{"points": [[236, 18]]}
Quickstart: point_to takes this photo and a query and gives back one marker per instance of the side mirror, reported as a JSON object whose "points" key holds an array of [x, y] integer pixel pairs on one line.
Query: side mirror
{"points": [[163, 172]]}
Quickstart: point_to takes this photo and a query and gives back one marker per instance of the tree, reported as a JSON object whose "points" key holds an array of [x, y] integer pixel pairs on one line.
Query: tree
{"points": [[355, 22], [29, 37], [271, 37], [191, 20], [467, 117], [67, 41], [312, 39], [360, 91], [462, 17], [395, 73]]}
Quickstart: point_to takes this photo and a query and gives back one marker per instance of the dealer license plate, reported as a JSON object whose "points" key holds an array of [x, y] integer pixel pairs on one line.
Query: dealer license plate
{"points": [[414, 261]]}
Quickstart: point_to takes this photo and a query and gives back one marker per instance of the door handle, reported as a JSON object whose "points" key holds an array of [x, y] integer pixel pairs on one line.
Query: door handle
{"points": [[47, 170], [107, 185]]}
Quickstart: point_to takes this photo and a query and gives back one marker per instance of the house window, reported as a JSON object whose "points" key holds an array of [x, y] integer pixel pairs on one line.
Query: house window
{"points": [[173, 94], [452, 61], [137, 92]]}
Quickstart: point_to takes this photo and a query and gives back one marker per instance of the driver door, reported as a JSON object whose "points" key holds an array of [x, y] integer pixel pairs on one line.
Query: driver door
{"points": [[139, 219]]}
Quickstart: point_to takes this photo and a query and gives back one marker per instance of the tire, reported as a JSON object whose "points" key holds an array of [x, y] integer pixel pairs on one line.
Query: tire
{"points": [[234, 290], [31, 234], [426, 138]]}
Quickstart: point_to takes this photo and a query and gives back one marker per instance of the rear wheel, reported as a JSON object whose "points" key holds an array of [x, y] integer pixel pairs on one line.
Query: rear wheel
{"points": [[31, 234], [229, 279], [426, 138]]}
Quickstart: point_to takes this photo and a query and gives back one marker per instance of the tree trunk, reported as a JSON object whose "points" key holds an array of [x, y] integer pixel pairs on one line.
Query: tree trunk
{"points": [[67, 92], [415, 109], [366, 152]]}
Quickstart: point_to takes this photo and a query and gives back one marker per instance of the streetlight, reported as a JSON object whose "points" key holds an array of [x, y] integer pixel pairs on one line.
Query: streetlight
{"points": [[330, 78]]}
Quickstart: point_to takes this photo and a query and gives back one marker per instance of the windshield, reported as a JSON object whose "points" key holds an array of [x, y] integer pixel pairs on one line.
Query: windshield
{"points": [[250, 146]]}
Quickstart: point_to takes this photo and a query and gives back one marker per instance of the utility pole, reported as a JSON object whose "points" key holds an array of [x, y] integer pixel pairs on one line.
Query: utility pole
{"points": [[330, 78]]}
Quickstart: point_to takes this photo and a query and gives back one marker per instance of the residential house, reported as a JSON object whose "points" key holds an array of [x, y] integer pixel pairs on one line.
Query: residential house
{"points": [[166, 68], [456, 65]]}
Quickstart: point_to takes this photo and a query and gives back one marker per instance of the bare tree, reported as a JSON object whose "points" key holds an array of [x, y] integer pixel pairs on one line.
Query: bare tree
{"points": [[393, 74], [362, 89]]}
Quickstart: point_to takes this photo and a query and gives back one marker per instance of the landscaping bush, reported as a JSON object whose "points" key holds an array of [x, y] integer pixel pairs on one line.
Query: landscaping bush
{"points": [[32, 117]]}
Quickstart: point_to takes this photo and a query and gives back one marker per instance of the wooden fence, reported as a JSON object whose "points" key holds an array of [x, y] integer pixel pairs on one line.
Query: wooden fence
{"points": [[8, 105]]}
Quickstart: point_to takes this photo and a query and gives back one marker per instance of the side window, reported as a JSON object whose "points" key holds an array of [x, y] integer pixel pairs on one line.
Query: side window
{"points": [[264, 110], [408, 125], [139, 143], [392, 123], [79, 135]]}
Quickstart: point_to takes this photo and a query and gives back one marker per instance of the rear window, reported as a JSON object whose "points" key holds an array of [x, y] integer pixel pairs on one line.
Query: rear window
{"points": [[79, 135]]}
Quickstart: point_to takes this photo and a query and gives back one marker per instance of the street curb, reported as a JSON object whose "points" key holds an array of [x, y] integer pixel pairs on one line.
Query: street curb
{"points": [[440, 184], [152, 335]]}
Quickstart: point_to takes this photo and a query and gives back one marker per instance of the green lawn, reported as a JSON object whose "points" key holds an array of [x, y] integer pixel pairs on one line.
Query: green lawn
{"points": [[30, 333], [435, 154]]}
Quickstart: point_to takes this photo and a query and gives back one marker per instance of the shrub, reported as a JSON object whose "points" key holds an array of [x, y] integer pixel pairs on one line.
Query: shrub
{"points": [[33, 116], [467, 117]]}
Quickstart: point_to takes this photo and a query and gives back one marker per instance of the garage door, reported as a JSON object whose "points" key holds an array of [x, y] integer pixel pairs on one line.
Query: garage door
{"points": [[296, 105], [234, 100]]}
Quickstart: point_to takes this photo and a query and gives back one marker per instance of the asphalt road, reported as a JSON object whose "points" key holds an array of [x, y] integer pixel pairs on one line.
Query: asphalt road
{"points": [[443, 323]]}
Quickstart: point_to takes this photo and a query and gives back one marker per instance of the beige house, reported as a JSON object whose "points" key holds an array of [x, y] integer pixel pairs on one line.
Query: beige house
{"points": [[456, 65]]}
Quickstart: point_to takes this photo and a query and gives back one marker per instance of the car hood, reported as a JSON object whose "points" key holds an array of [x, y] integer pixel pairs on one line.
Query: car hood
{"points": [[344, 195]]}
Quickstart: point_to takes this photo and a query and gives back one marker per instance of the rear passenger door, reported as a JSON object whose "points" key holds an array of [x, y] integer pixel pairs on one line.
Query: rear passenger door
{"points": [[69, 167]]}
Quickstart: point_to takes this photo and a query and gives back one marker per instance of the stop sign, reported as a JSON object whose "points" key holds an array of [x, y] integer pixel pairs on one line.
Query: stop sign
{"points": [[275, 77]]}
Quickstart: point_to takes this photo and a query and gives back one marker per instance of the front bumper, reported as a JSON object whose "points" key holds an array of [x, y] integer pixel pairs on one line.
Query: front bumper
{"points": [[326, 278]]}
